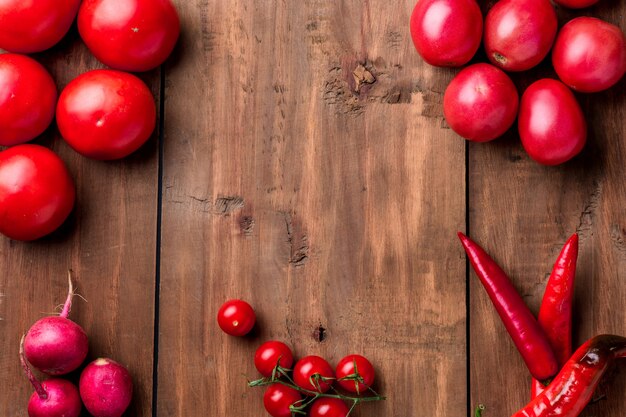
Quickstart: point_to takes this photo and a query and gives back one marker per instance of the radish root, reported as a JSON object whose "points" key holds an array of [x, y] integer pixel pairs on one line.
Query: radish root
{"points": [[41, 392]]}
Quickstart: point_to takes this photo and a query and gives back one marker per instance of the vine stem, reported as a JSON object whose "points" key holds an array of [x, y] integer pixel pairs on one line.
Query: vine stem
{"points": [[39, 389]]}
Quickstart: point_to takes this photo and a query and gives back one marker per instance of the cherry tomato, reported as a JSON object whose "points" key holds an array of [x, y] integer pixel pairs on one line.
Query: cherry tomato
{"points": [[589, 54], [278, 398], [106, 114], [236, 317], [446, 33], [129, 35], [36, 192], [551, 124], [480, 103], [33, 26], [519, 33], [576, 4], [346, 368], [329, 407], [27, 99], [307, 367], [271, 353]]}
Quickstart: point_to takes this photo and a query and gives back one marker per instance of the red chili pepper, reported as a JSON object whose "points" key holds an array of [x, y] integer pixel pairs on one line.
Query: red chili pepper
{"points": [[570, 391], [525, 331], [555, 314]]}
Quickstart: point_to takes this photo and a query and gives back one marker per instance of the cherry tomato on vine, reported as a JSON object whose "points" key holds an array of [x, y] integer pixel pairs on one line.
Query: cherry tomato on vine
{"points": [[36, 192], [519, 33], [346, 368], [589, 54], [271, 353], [480, 103], [236, 317], [106, 114], [329, 407], [307, 367], [129, 35], [33, 26], [551, 123], [278, 398], [27, 99], [446, 33]]}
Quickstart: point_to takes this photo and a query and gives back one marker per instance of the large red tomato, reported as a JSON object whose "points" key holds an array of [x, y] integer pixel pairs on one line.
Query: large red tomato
{"points": [[27, 99], [28, 26], [551, 124], [480, 103], [129, 35], [589, 54], [446, 33], [36, 192], [519, 33], [106, 114]]}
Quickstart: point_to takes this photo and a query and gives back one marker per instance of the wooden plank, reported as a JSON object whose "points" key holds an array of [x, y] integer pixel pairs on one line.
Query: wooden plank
{"points": [[109, 242], [523, 213], [320, 204]]}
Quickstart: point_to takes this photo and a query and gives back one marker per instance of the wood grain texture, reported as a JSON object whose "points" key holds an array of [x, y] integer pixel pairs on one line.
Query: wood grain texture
{"points": [[522, 213], [306, 170], [108, 241]]}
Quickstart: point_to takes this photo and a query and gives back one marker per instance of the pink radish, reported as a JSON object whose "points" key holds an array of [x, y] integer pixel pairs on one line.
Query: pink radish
{"points": [[56, 345], [106, 388], [52, 398]]}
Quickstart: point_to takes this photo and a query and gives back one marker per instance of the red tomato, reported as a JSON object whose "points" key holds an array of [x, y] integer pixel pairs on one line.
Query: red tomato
{"points": [[329, 407], [576, 4], [589, 54], [106, 114], [129, 35], [28, 26], [271, 353], [36, 192], [480, 103], [27, 99], [236, 317], [346, 368], [307, 367], [446, 33], [551, 124], [278, 398], [519, 33]]}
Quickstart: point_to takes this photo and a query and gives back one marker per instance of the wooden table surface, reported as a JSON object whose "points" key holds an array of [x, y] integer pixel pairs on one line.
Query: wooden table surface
{"points": [[302, 163]]}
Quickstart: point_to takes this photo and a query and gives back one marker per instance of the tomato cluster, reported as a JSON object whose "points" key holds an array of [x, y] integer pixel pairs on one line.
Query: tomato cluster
{"points": [[312, 384], [481, 103], [102, 114]]}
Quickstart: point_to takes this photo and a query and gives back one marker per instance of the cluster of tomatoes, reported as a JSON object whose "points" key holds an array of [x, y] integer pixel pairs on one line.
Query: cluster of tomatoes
{"points": [[481, 103], [102, 114], [310, 384]]}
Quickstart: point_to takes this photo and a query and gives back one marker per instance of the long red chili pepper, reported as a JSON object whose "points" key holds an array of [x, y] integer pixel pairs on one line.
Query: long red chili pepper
{"points": [[555, 314], [570, 391], [525, 331]]}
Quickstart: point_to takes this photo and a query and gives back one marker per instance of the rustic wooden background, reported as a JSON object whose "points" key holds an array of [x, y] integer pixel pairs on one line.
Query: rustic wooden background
{"points": [[302, 163]]}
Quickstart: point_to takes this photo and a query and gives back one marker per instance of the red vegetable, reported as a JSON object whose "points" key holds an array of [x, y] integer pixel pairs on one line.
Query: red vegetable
{"points": [[33, 26], [519, 33], [27, 99], [555, 314], [480, 103], [551, 124], [106, 114], [129, 35], [329, 407], [355, 374], [589, 54], [270, 354], [106, 388], [526, 333], [313, 373], [278, 398], [56, 345], [570, 391], [446, 33], [236, 317], [576, 4], [52, 398]]}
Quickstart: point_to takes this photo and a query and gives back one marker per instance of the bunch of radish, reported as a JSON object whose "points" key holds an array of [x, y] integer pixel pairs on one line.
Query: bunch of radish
{"points": [[481, 103], [56, 346]]}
